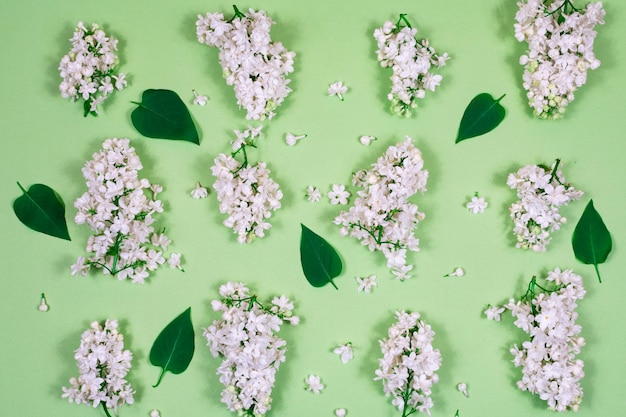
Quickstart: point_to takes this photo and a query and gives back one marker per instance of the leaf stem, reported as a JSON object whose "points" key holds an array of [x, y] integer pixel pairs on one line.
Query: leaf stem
{"points": [[160, 378], [595, 265], [21, 188]]}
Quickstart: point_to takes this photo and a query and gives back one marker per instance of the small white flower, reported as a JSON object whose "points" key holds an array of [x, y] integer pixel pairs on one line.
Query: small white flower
{"points": [[199, 191], [155, 413], [291, 139], [493, 312], [462, 387], [458, 272], [174, 261], [345, 352], [477, 204], [340, 412], [43, 304], [156, 189], [367, 284], [338, 195], [199, 99], [337, 89], [313, 194], [366, 140], [314, 384]]}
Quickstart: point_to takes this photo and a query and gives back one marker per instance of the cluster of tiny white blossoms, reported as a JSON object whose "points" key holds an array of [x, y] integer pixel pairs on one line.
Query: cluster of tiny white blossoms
{"points": [[245, 192], [88, 69], [244, 337], [254, 64], [103, 364], [409, 364], [119, 212], [560, 51], [541, 191], [548, 360], [411, 60], [382, 216]]}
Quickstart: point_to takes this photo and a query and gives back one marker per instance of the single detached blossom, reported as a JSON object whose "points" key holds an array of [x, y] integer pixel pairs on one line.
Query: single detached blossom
{"points": [[120, 213], [198, 99], [43, 304], [155, 413], [541, 192], [560, 41], [547, 313], [255, 65], [337, 89], [338, 195], [477, 204], [174, 261], [382, 217], [313, 194], [493, 312], [291, 139], [409, 364], [199, 191], [458, 272], [367, 284], [314, 384], [88, 70], [245, 338], [103, 364], [345, 352], [411, 60], [366, 140], [340, 412], [462, 388]]}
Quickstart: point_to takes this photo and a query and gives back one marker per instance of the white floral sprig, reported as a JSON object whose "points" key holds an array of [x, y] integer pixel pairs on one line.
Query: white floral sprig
{"points": [[246, 192], [409, 364], [382, 216], [411, 60], [541, 191], [254, 64], [88, 69], [245, 337], [560, 41], [117, 209], [548, 360], [103, 364]]}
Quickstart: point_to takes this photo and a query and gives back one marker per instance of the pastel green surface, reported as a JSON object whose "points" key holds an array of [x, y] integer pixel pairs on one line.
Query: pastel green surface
{"points": [[47, 140]]}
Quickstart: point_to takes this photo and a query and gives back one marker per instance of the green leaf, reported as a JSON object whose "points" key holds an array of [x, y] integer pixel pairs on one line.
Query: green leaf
{"points": [[173, 348], [162, 114], [591, 240], [482, 115], [42, 209], [320, 262]]}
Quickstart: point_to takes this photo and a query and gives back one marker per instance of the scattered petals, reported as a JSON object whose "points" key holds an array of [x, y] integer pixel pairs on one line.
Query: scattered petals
{"points": [[313, 194], [338, 195], [174, 261], [199, 191], [462, 387], [345, 352], [367, 284], [199, 99], [314, 384], [155, 413], [476, 204], [366, 140], [291, 139], [340, 412], [337, 89], [494, 312]]}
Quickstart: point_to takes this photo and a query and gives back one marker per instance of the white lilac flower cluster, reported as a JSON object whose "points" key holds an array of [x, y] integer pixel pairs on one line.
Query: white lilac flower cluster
{"points": [[245, 192], [560, 51], [103, 364], [382, 216], [254, 64], [412, 60], [88, 69], [117, 209], [244, 337], [541, 191], [548, 360], [409, 364]]}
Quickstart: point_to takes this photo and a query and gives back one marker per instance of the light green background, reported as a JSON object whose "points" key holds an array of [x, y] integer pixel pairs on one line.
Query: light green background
{"points": [[45, 139]]}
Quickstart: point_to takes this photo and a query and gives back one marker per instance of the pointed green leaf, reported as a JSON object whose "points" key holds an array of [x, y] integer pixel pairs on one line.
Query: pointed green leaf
{"points": [[162, 114], [42, 209], [591, 240], [482, 115], [320, 262], [173, 348]]}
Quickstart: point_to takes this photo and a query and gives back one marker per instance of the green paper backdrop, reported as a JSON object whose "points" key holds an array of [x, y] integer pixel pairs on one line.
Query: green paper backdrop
{"points": [[45, 139]]}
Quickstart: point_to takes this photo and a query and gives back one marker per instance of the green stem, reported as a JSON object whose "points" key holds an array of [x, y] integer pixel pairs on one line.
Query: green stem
{"points": [[21, 188], [595, 265], [405, 20], [238, 14], [160, 378], [554, 170], [106, 410]]}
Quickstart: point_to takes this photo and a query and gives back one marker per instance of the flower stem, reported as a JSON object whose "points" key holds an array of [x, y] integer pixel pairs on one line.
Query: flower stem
{"points": [[405, 20], [106, 410], [554, 170]]}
